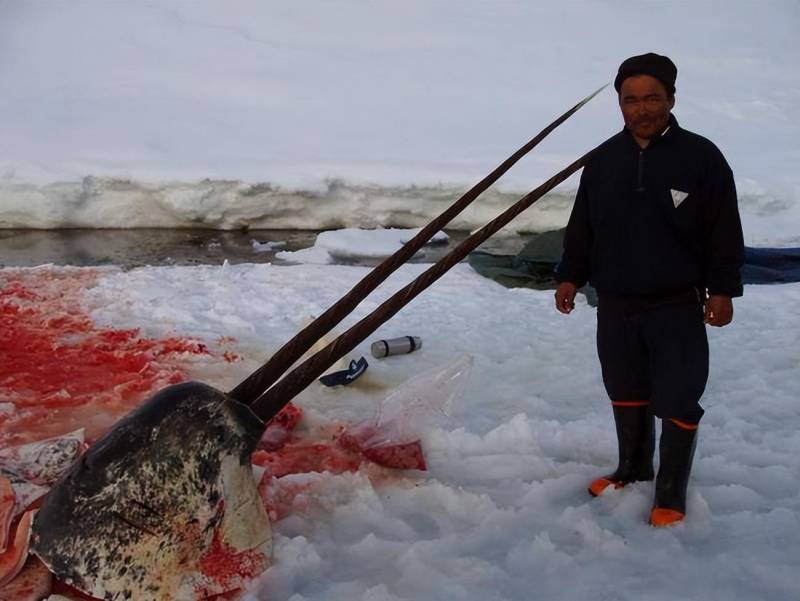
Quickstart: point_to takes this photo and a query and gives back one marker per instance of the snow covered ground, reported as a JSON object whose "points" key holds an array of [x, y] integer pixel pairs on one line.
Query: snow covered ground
{"points": [[351, 114], [503, 512]]}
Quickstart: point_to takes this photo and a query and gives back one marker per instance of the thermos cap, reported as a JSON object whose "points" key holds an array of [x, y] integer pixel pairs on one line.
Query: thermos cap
{"points": [[395, 346]]}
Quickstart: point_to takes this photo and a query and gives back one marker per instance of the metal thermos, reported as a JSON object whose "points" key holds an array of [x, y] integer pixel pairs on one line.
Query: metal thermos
{"points": [[395, 346]]}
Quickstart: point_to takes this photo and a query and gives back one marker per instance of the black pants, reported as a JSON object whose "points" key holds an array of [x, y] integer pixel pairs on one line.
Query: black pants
{"points": [[654, 350]]}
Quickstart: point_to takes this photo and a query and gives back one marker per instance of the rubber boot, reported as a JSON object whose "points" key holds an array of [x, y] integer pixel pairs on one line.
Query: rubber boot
{"points": [[636, 440], [676, 450]]}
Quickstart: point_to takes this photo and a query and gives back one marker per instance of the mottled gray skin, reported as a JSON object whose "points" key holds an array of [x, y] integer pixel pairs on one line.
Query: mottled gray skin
{"points": [[133, 516], [42, 462], [33, 467]]}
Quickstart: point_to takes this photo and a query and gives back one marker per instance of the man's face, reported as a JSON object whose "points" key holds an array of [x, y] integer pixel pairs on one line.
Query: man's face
{"points": [[645, 106]]}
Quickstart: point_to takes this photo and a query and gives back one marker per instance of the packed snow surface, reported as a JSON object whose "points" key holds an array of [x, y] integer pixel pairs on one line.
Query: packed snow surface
{"points": [[346, 114], [352, 114], [503, 513]]}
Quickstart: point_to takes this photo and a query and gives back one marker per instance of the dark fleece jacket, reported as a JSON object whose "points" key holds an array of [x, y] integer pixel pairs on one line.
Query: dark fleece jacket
{"points": [[656, 221]]}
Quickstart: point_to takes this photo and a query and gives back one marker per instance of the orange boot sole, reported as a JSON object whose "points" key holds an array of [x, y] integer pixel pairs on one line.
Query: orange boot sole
{"points": [[662, 518], [599, 486]]}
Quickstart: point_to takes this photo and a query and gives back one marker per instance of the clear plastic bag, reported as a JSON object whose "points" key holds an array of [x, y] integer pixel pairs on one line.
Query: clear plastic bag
{"points": [[393, 436]]}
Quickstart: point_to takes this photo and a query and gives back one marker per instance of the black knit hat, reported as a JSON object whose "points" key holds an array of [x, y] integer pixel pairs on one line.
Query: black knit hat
{"points": [[655, 65]]}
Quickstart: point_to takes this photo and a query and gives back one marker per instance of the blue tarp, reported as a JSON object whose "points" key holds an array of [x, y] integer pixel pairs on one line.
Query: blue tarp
{"points": [[533, 266], [771, 265]]}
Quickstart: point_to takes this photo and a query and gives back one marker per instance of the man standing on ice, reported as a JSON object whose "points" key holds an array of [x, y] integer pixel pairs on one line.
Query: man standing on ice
{"points": [[655, 229]]}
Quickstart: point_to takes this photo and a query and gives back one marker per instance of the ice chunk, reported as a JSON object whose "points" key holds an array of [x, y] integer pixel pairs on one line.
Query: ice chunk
{"points": [[352, 244]]}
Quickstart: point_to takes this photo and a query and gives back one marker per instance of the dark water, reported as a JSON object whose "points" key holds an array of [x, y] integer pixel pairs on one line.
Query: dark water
{"points": [[141, 247]]}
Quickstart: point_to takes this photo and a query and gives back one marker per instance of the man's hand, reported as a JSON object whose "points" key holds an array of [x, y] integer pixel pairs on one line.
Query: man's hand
{"points": [[565, 297], [718, 310]]}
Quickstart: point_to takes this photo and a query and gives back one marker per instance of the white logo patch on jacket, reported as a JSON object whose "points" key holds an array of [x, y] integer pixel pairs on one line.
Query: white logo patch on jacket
{"points": [[678, 197]]}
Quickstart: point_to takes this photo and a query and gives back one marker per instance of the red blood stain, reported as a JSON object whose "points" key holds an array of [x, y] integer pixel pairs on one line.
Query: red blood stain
{"points": [[231, 357], [299, 453], [32, 584], [227, 569], [304, 456], [62, 588], [281, 497], [328, 450], [401, 455], [16, 553], [61, 371], [279, 430], [288, 418]]}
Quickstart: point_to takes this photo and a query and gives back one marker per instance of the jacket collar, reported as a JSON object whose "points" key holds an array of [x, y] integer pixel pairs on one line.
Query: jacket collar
{"points": [[668, 133]]}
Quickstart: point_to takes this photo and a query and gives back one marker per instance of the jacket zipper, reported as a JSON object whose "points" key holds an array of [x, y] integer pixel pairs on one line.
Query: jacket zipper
{"points": [[640, 173]]}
